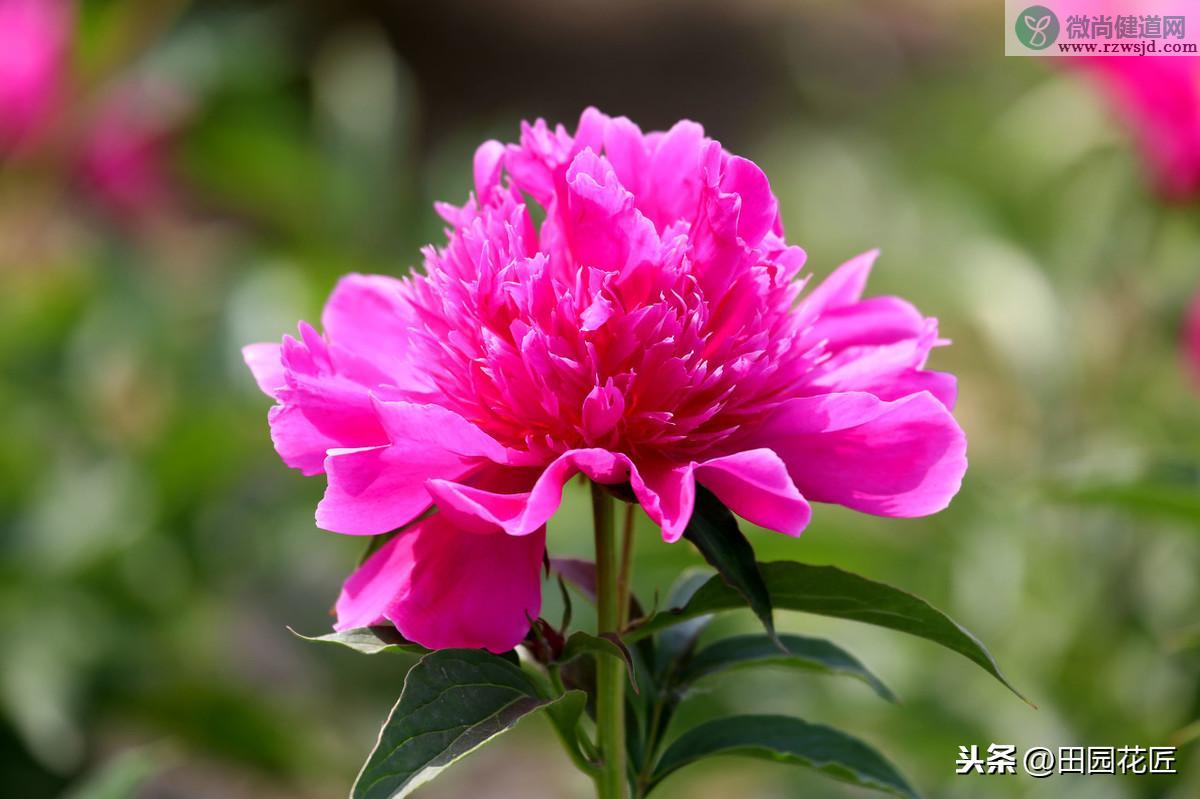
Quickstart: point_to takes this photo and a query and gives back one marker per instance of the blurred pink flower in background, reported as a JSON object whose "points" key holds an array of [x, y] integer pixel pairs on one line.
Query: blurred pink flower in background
{"points": [[1159, 99], [651, 333], [34, 39], [1191, 338], [123, 155]]}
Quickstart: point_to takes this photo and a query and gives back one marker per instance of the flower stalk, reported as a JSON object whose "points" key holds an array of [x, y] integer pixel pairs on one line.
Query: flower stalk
{"points": [[610, 671]]}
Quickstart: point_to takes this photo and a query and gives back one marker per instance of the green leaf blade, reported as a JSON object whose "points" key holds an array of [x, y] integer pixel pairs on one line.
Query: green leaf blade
{"points": [[453, 702], [811, 654], [787, 740], [368, 640], [829, 591], [713, 529], [580, 643]]}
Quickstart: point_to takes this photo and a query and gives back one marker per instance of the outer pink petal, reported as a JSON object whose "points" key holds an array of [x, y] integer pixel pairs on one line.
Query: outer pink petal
{"points": [[443, 587], [300, 444], [320, 408], [377, 489], [844, 286], [875, 321], [522, 513], [892, 371], [900, 458], [414, 425], [756, 486], [668, 495], [367, 321], [266, 364]]}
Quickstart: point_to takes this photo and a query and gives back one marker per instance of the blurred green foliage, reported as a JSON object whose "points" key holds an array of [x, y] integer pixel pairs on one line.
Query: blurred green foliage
{"points": [[153, 549]]}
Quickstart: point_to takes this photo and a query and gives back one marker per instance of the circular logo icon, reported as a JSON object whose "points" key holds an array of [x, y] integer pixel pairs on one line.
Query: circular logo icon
{"points": [[1037, 27]]}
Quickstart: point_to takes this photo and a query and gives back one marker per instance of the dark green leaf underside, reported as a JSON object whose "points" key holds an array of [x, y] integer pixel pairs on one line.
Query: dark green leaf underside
{"points": [[811, 654], [714, 531], [580, 643], [786, 740]]}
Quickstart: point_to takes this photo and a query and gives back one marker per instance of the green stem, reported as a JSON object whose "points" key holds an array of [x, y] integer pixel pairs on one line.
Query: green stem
{"points": [[572, 739], [610, 672], [624, 587]]}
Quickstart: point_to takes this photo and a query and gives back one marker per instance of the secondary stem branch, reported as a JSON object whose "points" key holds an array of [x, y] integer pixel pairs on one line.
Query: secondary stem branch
{"points": [[624, 581]]}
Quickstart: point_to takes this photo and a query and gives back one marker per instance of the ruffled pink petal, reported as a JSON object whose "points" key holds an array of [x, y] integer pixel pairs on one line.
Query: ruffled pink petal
{"points": [[900, 458], [320, 408], [890, 372], [300, 444], [756, 486], [368, 324], [872, 322], [417, 426], [758, 208], [667, 493], [844, 286], [377, 489], [489, 159], [673, 178], [266, 365], [601, 224], [443, 587], [522, 513], [625, 148]]}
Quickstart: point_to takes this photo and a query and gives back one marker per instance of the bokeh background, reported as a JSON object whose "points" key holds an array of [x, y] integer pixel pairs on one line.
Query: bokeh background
{"points": [[214, 167]]}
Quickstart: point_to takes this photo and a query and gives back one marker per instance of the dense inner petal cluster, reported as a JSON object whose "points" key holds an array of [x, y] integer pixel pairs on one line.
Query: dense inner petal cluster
{"points": [[641, 322]]}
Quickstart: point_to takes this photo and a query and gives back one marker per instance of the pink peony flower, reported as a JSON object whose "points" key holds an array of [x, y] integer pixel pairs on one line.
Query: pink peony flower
{"points": [[650, 332], [34, 35], [1159, 97]]}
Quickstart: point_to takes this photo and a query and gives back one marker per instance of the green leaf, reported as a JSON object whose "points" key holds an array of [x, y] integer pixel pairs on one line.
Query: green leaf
{"points": [[829, 591], [368, 640], [785, 740], [564, 714], [714, 531], [677, 642], [803, 652], [608, 644], [453, 702]]}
